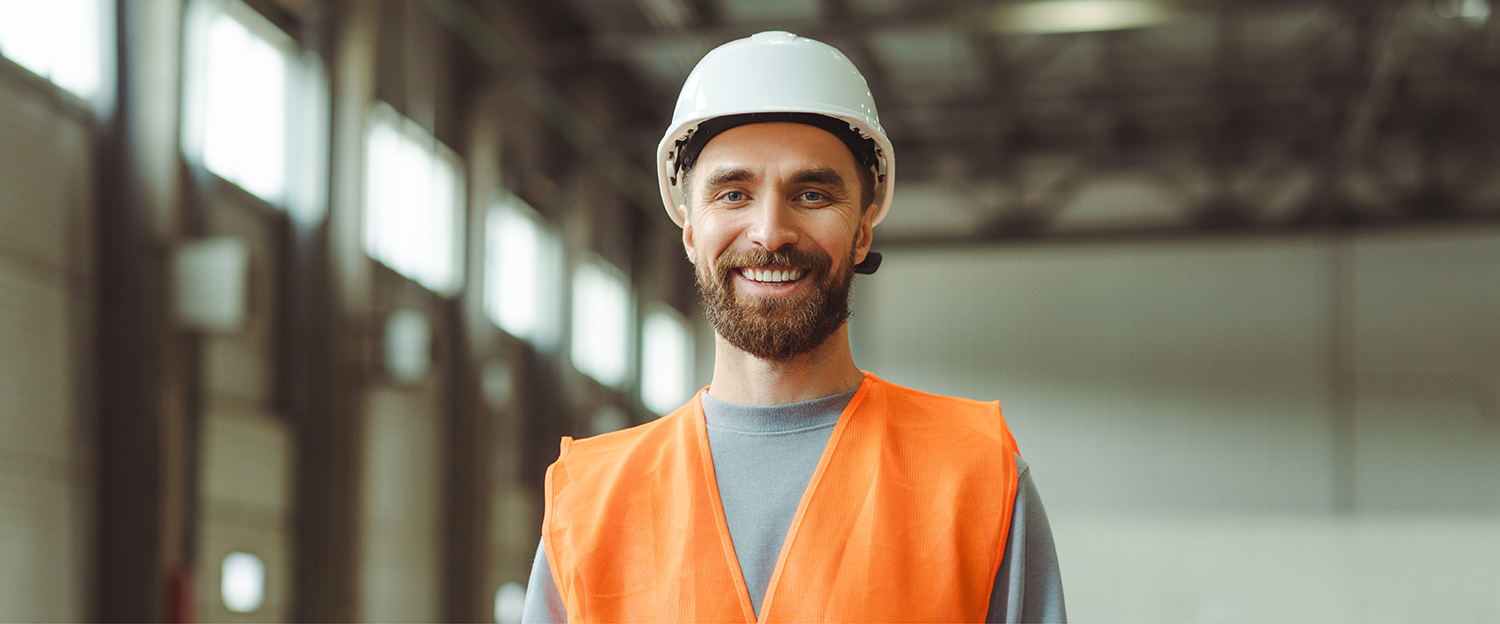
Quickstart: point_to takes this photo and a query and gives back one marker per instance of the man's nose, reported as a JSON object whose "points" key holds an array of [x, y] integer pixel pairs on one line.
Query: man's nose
{"points": [[771, 225]]}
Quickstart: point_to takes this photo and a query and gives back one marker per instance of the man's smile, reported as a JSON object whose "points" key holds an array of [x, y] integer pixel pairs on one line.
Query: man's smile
{"points": [[771, 275], [771, 281]]}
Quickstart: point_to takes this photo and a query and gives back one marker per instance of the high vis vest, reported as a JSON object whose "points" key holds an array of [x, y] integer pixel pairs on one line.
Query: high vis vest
{"points": [[905, 519]]}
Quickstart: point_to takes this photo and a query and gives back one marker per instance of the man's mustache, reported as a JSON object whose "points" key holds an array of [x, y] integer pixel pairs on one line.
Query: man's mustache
{"points": [[814, 261]]}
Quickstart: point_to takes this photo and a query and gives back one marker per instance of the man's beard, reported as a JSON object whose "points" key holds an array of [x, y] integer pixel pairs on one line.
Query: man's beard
{"points": [[777, 328]]}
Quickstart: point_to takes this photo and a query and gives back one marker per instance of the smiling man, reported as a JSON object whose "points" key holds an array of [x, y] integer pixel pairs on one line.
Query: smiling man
{"points": [[796, 487]]}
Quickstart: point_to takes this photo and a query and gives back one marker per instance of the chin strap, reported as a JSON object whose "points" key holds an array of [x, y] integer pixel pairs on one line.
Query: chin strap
{"points": [[870, 265]]}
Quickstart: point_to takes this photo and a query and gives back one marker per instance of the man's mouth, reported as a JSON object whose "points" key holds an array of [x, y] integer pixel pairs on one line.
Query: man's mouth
{"points": [[771, 275]]}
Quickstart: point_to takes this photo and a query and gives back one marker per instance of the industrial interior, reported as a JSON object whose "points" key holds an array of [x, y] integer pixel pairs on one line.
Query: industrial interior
{"points": [[297, 297]]}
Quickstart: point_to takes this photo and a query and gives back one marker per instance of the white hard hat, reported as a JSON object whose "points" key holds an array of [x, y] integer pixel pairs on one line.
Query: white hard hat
{"points": [[773, 72]]}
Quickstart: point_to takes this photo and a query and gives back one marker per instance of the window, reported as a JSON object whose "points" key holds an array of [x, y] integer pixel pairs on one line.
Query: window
{"points": [[57, 39], [522, 272], [237, 97], [666, 361], [414, 202], [601, 322]]}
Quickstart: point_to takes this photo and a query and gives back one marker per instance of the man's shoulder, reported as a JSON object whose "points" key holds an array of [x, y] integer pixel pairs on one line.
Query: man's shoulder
{"points": [[632, 459], [956, 415], [630, 444]]}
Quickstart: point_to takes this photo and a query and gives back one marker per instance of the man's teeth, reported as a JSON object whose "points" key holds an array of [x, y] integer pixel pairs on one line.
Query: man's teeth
{"points": [[772, 276]]}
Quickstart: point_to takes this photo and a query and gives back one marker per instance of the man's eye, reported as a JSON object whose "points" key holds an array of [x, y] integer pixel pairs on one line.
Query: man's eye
{"points": [[813, 196], [732, 196]]}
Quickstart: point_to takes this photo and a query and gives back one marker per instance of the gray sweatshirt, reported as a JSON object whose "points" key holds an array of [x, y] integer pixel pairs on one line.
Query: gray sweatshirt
{"points": [[764, 457]]}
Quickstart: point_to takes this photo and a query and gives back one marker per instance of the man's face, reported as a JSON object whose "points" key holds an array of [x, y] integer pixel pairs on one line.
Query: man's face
{"points": [[774, 231]]}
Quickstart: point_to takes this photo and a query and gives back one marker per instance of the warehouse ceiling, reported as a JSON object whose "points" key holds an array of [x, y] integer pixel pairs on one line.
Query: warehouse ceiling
{"points": [[1066, 119]]}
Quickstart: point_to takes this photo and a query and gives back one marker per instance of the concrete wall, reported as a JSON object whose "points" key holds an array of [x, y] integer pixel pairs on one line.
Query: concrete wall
{"points": [[47, 460], [1267, 429]]}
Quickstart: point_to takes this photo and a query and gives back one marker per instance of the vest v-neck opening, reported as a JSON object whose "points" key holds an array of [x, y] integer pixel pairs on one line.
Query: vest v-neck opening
{"points": [[771, 421], [764, 457]]}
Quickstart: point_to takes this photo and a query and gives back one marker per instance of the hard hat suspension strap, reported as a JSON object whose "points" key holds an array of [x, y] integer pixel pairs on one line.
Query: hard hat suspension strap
{"points": [[866, 153]]}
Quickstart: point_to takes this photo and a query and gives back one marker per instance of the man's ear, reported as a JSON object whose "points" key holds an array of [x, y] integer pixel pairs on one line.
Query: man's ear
{"points": [[687, 234], [863, 235]]}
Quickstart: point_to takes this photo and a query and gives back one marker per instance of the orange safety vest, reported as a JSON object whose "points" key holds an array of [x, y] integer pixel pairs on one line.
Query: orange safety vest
{"points": [[905, 519]]}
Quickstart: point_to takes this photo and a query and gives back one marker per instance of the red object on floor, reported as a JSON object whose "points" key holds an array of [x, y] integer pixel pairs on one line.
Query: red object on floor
{"points": [[180, 605]]}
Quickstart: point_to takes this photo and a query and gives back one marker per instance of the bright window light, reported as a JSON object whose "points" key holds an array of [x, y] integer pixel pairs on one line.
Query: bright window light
{"points": [[666, 361], [55, 39], [242, 582], [601, 322], [236, 97], [414, 200], [522, 272]]}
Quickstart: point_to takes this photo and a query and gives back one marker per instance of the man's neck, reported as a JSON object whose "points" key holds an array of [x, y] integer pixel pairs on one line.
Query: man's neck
{"points": [[748, 380]]}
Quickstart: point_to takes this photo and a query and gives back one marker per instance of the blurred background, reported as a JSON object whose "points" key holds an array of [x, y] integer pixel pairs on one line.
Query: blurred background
{"points": [[297, 296]]}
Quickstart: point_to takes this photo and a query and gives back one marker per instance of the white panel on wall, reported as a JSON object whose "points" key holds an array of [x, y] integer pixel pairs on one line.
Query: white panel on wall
{"points": [[46, 320], [401, 552], [1174, 402], [1279, 568], [1427, 304], [247, 459], [42, 552], [45, 183], [1134, 377], [246, 484], [1426, 332], [36, 405]]}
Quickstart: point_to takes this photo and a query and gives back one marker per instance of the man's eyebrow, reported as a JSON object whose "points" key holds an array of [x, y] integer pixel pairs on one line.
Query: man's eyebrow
{"points": [[728, 175], [825, 176]]}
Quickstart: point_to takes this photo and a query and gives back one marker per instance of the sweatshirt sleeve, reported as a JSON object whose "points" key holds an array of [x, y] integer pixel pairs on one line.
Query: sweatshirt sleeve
{"points": [[543, 602], [1028, 586]]}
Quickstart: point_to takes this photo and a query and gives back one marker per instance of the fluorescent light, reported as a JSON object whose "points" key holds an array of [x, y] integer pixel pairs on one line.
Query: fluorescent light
{"points": [[601, 322], [242, 582], [57, 39], [414, 202], [1063, 16], [666, 361]]}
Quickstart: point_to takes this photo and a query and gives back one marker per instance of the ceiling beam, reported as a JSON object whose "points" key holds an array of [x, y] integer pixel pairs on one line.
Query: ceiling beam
{"points": [[588, 140], [1488, 220]]}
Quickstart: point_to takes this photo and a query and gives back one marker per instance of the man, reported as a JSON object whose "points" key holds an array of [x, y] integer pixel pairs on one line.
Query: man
{"points": [[795, 487]]}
